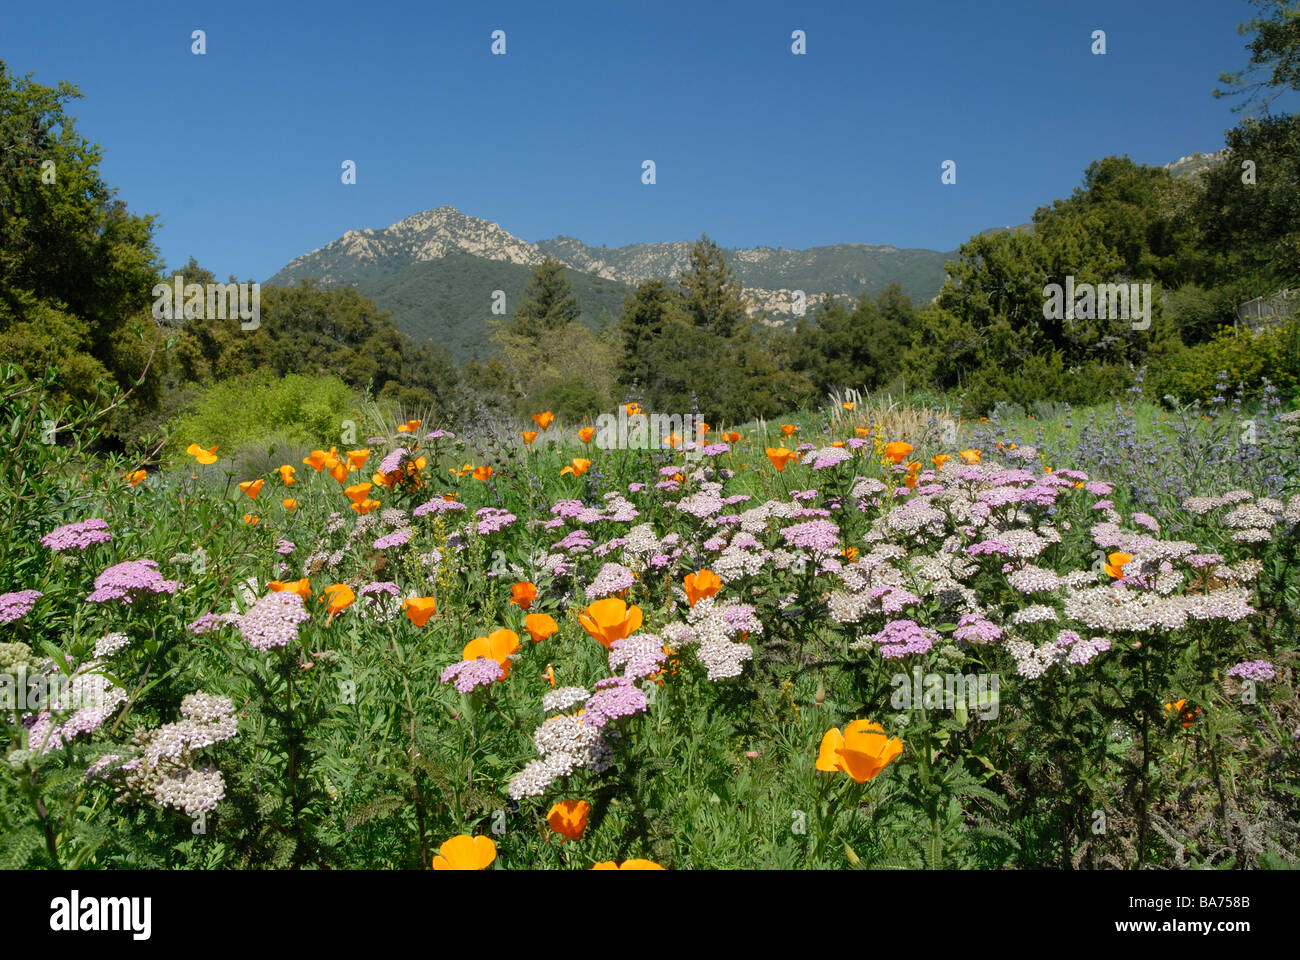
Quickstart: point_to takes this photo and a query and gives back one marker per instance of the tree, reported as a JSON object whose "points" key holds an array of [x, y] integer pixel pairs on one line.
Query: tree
{"points": [[710, 291], [1274, 56], [76, 269], [647, 311], [548, 302]]}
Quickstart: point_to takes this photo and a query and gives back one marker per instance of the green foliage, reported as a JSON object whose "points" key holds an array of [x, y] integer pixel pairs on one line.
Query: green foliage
{"points": [[1247, 358], [246, 414], [76, 269]]}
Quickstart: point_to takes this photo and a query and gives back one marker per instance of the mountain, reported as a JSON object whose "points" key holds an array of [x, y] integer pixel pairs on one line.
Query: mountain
{"points": [[437, 270]]}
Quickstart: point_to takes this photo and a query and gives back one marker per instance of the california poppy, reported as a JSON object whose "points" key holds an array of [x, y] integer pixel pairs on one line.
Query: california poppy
{"points": [[701, 584], [358, 491], [205, 457], [419, 609], [862, 751], [529, 436], [522, 594], [568, 818], [365, 506], [286, 475], [1186, 717], [340, 597], [897, 450], [410, 426], [252, 487], [578, 467], [539, 627], [290, 504], [634, 864], [543, 420], [250, 519], [498, 646], [357, 459], [780, 456], [465, 853], [971, 456], [847, 404], [788, 428], [339, 472], [732, 437], [1115, 564], [610, 619], [586, 433], [939, 461], [137, 477], [482, 473], [301, 587], [316, 460], [633, 409]]}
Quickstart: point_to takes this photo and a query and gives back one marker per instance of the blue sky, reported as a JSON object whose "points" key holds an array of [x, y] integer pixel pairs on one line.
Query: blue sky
{"points": [[239, 151]]}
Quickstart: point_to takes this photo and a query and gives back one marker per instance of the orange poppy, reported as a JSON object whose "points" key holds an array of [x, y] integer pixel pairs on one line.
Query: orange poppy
{"points": [[340, 597], [137, 477], [482, 473], [290, 504], [339, 471], [410, 426], [780, 456], [365, 506], [522, 594], [357, 459], [1115, 564], [847, 404], [971, 456], [633, 409], [732, 437], [286, 475], [358, 491], [465, 853], [252, 487], [498, 646], [788, 428], [568, 818], [419, 609], [586, 433], [578, 467], [529, 436], [939, 461], [897, 450], [1186, 717], [316, 460], [701, 584], [205, 457], [539, 627], [549, 674], [839, 443], [634, 864], [862, 751], [849, 553], [543, 420], [250, 519], [301, 587], [610, 619]]}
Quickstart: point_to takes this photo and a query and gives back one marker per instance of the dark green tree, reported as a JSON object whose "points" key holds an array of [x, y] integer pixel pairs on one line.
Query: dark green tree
{"points": [[548, 303], [710, 291]]}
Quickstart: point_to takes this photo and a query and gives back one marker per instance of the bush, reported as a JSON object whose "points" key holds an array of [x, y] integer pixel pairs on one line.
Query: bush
{"points": [[250, 413], [1247, 358]]}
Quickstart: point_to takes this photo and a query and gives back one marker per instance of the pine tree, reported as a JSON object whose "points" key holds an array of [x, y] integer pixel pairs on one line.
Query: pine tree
{"points": [[548, 303]]}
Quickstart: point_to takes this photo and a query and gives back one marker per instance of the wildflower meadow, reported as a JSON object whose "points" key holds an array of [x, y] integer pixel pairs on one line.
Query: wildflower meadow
{"points": [[817, 644]]}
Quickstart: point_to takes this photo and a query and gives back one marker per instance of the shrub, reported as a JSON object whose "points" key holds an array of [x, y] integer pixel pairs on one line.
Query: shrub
{"points": [[1247, 358], [258, 409]]}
